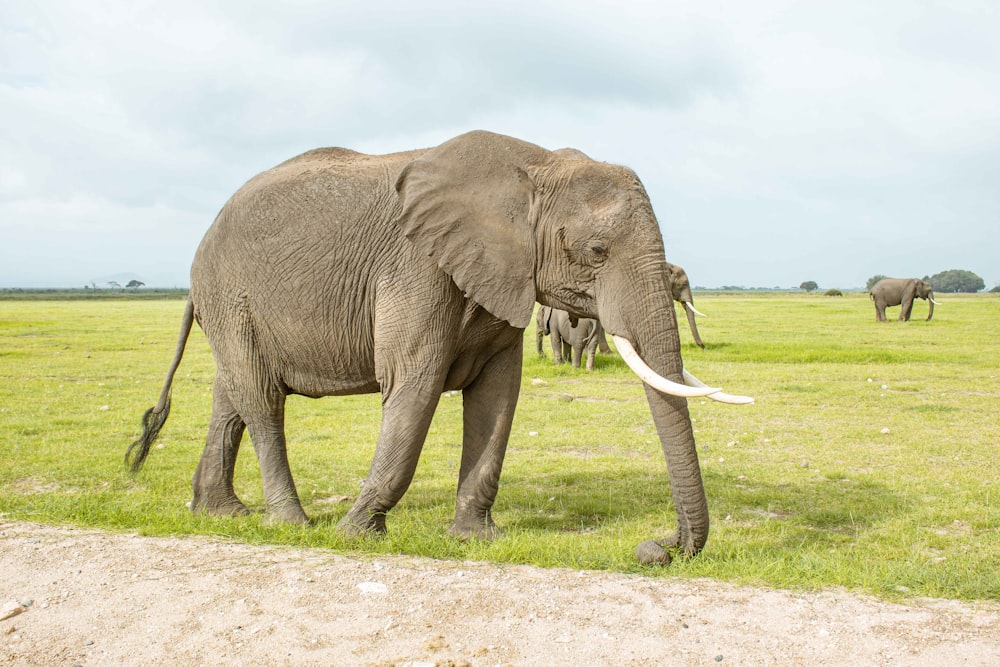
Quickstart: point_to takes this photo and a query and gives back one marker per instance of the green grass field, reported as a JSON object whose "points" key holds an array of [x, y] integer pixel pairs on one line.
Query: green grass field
{"points": [[807, 489]]}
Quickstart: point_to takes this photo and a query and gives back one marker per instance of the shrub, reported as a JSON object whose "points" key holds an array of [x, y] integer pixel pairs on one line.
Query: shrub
{"points": [[956, 280]]}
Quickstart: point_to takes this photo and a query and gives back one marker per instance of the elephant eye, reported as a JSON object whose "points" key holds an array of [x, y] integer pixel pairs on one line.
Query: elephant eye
{"points": [[599, 252]]}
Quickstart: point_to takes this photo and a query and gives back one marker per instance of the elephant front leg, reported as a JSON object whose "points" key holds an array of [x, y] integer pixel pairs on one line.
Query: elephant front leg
{"points": [[557, 346], [406, 417], [488, 411]]}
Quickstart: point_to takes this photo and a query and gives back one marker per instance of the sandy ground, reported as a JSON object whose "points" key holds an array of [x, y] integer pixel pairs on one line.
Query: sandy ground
{"points": [[81, 597]]}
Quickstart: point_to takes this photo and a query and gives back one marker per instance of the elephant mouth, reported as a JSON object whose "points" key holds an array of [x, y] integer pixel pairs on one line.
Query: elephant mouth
{"points": [[692, 387]]}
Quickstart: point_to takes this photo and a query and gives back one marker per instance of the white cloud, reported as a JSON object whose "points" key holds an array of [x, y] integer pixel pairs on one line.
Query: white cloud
{"points": [[752, 125]]}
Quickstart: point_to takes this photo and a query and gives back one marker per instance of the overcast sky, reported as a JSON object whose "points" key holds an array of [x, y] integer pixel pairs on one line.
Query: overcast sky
{"points": [[779, 141]]}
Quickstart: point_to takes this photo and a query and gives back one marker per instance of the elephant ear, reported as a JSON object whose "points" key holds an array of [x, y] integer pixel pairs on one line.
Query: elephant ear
{"points": [[466, 203]]}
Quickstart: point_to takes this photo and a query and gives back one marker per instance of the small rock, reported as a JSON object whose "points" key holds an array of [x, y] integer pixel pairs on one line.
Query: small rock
{"points": [[105, 407], [804, 464], [538, 382], [885, 431], [718, 658], [372, 587], [532, 433]]}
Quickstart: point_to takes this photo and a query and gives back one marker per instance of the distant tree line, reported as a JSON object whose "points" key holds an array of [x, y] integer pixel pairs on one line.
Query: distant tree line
{"points": [[88, 292], [953, 280]]}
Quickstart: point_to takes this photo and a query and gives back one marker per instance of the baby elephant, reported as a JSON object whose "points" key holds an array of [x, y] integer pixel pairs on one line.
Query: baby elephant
{"points": [[571, 336]]}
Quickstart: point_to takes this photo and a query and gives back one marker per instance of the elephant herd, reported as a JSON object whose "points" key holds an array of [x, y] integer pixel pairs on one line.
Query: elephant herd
{"points": [[575, 337], [416, 273]]}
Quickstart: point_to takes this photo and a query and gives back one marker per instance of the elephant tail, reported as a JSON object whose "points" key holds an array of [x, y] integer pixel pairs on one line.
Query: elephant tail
{"points": [[155, 417]]}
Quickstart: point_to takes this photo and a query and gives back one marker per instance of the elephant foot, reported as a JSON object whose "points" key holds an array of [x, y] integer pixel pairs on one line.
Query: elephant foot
{"points": [[353, 526], [228, 506], [475, 527], [287, 513]]}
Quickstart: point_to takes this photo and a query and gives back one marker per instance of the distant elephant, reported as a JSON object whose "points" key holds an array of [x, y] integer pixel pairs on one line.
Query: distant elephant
{"points": [[543, 328], [896, 291], [572, 337], [680, 288], [416, 273]]}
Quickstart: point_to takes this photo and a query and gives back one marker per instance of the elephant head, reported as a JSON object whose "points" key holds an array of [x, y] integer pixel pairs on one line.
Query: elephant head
{"points": [[542, 327], [923, 289], [681, 289], [513, 223]]}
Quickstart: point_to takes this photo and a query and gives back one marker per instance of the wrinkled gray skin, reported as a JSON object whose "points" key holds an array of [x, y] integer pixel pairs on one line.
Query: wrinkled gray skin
{"points": [[412, 274], [572, 337], [901, 291], [680, 288]]}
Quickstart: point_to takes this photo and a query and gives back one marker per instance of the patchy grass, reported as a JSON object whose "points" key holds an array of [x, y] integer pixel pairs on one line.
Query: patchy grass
{"points": [[868, 462]]}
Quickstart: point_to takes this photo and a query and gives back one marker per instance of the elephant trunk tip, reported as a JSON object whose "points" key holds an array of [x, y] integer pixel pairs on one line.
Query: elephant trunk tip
{"points": [[651, 552]]}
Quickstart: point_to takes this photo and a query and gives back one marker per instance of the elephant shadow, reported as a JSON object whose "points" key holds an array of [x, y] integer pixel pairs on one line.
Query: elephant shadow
{"points": [[816, 511]]}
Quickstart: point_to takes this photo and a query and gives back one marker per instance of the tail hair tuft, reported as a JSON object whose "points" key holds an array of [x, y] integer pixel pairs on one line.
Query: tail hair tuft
{"points": [[152, 422]]}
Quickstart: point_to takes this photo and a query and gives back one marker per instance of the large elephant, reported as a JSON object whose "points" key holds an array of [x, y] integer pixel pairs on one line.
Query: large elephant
{"points": [[680, 288], [572, 337], [416, 273], [901, 291]]}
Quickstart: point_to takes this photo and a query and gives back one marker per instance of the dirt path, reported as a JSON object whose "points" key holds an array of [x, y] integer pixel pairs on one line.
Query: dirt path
{"points": [[91, 598]]}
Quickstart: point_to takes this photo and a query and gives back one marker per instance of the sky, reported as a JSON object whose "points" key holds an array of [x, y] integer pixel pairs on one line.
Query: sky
{"points": [[779, 142]]}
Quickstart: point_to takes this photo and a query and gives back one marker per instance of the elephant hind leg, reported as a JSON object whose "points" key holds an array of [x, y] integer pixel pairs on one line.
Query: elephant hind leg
{"points": [[213, 479], [267, 432]]}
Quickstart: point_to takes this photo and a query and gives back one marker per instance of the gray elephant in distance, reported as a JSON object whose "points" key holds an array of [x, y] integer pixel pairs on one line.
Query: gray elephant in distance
{"points": [[901, 291], [572, 337], [542, 328], [416, 273], [680, 287]]}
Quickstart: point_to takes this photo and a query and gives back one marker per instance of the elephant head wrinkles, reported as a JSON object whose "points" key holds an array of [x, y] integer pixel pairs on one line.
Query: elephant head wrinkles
{"points": [[414, 273]]}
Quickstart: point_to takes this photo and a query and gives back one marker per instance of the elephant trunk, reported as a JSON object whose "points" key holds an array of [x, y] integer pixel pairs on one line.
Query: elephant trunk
{"points": [[930, 305], [690, 311], [655, 339]]}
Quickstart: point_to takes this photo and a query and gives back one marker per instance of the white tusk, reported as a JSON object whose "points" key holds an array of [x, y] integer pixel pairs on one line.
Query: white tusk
{"points": [[654, 380], [690, 306], [932, 301], [720, 396]]}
